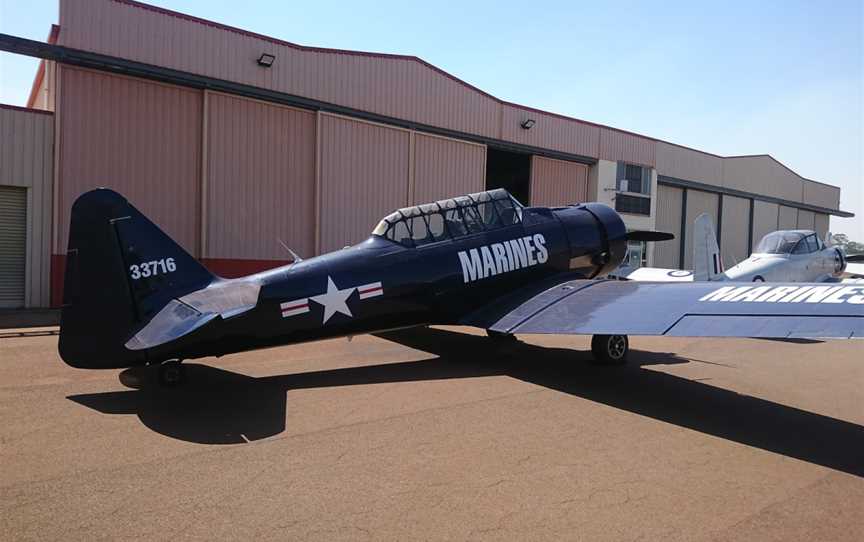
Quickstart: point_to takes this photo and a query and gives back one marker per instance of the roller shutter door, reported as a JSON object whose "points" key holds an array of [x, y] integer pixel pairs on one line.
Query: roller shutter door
{"points": [[13, 245]]}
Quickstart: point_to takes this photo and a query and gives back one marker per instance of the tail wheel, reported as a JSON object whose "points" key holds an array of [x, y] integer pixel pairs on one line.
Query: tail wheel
{"points": [[172, 374], [758, 278], [610, 349]]}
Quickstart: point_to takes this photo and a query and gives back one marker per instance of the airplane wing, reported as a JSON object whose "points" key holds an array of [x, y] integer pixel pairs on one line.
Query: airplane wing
{"points": [[855, 270], [697, 309]]}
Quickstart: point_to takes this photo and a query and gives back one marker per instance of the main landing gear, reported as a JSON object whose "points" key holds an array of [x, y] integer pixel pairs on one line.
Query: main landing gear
{"points": [[172, 374], [610, 349], [501, 338]]}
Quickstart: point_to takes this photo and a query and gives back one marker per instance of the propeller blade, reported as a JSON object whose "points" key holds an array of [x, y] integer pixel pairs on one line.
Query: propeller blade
{"points": [[645, 235], [855, 258]]}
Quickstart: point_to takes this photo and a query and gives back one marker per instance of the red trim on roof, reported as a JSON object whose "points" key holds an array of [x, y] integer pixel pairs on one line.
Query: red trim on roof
{"points": [[25, 109]]}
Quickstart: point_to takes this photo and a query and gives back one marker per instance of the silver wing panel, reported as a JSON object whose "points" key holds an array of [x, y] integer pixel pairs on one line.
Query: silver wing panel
{"points": [[691, 309]]}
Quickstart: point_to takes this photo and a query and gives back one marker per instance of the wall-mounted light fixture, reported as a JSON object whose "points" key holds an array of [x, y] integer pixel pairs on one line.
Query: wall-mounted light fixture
{"points": [[527, 124], [266, 60]]}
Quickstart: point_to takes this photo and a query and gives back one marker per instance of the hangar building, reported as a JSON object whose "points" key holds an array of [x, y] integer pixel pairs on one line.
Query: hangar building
{"points": [[234, 141]]}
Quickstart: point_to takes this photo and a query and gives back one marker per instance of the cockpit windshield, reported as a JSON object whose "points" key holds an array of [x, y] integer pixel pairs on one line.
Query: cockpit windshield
{"points": [[451, 218], [779, 242]]}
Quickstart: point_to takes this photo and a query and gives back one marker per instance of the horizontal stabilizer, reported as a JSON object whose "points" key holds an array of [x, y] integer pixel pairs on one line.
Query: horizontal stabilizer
{"points": [[186, 314]]}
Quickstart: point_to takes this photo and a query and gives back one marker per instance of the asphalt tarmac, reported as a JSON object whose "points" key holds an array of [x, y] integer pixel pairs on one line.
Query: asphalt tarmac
{"points": [[439, 434]]}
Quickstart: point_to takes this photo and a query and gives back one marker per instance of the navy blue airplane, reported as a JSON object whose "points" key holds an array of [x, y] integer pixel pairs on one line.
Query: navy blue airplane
{"points": [[132, 296]]}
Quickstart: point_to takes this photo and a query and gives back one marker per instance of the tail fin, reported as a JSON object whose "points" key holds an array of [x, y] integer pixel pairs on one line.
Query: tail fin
{"points": [[121, 269], [707, 263]]}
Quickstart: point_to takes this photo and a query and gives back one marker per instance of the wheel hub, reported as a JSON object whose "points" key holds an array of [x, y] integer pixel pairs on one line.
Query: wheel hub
{"points": [[617, 346]]}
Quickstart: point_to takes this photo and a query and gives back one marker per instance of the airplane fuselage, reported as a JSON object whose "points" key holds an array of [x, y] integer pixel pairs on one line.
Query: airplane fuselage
{"points": [[376, 285], [817, 266]]}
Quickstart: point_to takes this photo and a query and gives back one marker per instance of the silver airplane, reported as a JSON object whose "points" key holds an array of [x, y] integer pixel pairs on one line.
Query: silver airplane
{"points": [[781, 256]]}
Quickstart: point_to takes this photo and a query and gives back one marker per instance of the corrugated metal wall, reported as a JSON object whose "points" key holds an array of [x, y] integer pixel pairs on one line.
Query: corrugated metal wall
{"points": [[822, 224], [788, 218], [260, 179], [762, 175], [616, 145], [364, 178], [821, 194], [806, 220], [550, 132], [764, 220], [698, 202], [681, 163], [735, 230], [446, 167], [26, 160], [151, 141], [557, 182], [388, 84], [140, 138], [397, 86], [667, 253]]}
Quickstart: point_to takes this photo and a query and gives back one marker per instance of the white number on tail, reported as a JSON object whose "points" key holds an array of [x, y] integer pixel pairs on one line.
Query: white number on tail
{"points": [[152, 268]]}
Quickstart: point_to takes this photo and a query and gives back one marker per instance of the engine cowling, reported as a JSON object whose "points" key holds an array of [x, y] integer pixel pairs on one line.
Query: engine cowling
{"points": [[597, 237]]}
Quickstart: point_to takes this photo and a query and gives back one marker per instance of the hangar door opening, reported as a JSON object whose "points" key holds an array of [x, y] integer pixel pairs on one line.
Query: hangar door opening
{"points": [[13, 245], [509, 170]]}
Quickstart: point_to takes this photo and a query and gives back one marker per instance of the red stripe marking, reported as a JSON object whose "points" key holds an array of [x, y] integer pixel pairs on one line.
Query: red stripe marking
{"points": [[292, 307], [371, 290]]}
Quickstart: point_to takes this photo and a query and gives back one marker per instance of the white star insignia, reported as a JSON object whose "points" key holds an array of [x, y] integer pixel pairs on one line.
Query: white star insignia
{"points": [[334, 300]]}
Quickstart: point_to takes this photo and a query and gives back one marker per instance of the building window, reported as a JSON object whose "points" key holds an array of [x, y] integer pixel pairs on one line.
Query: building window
{"points": [[633, 179], [636, 205], [633, 189]]}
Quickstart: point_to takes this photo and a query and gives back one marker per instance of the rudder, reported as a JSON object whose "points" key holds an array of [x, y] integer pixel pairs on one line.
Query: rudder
{"points": [[121, 269], [707, 263]]}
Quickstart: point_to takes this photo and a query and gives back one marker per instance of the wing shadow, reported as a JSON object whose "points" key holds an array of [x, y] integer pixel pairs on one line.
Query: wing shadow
{"points": [[223, 407]]}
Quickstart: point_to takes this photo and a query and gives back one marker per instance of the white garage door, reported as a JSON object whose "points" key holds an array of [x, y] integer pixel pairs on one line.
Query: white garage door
{"points": [[13, 245]]}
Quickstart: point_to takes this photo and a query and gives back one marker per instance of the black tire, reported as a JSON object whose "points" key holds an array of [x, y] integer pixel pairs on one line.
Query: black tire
{"points": [[758, 278], [610, 349], [501, 338], [172, 374]]}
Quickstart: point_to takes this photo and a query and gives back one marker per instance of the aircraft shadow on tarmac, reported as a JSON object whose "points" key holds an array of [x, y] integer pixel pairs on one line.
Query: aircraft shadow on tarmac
{"points": [[223, 407]]}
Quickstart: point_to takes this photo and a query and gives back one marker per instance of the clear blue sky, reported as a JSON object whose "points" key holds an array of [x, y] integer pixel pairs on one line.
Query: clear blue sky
{"points": [[776, 77]]}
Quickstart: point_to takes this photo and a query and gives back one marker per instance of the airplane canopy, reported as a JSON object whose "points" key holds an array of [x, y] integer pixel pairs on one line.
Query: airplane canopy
{"points": [[450, 218], [789, 242]]}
